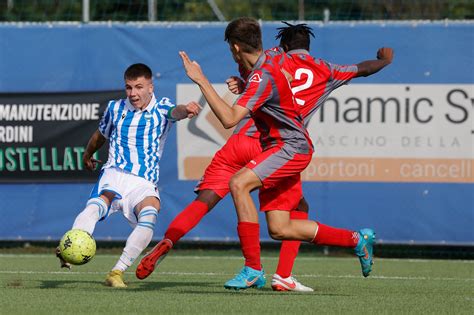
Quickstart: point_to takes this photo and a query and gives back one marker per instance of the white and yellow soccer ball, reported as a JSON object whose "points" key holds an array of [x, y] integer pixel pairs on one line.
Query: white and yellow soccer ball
{"points": [[77, 247]]}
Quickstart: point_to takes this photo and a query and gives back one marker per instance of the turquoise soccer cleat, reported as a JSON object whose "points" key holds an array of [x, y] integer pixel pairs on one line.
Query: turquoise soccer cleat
{"points": [[364, 250], [247, 278]]}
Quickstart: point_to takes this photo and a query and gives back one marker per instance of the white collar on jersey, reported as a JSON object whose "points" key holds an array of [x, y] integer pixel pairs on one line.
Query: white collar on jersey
{"points": [[148, 108]]}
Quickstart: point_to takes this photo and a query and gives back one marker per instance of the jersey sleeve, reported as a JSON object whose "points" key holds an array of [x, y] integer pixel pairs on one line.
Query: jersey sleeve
{"points": [[165, 107], [258, 90], [106, 122], [340, 75]]}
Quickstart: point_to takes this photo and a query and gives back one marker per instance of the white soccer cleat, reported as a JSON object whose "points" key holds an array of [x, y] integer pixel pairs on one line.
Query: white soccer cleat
{"points": [[288, 284]]}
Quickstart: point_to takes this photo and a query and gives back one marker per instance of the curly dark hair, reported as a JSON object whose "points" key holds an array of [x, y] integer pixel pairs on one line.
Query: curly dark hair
{"points": [[294, 36]]}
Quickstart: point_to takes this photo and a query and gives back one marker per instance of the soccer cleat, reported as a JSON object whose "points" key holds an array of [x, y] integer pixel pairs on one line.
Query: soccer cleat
{"points": [[247, 278], [364, 250], [153, 259], [288, 284], [115, 279], [63, 263]]}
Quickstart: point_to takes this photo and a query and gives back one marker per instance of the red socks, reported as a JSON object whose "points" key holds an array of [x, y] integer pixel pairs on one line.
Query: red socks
{"points": [[328, 235], [289, 249], [186, 220], [249, 235]]}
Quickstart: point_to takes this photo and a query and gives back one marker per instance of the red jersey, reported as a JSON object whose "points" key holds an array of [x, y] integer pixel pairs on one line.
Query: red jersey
{"points": [[314, 80], [269, 98]]}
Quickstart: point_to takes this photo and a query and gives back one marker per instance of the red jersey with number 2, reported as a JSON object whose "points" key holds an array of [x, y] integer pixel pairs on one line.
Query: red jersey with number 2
{"points": [[269, 98]]}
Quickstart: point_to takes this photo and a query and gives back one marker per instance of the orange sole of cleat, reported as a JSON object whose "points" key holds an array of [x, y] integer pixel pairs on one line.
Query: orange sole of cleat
{"points": [[151, 260], [145, 268], [278, 287]]}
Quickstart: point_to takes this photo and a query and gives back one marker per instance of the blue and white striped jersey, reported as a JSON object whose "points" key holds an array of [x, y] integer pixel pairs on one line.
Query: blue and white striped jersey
{"points": [[137, 137]]}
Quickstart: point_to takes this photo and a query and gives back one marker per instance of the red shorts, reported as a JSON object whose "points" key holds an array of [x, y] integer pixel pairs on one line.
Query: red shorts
{"points": [[280, 169], [231, 158]]}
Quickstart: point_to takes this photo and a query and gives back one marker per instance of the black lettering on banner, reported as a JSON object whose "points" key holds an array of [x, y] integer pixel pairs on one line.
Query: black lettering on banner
{"points": [[378, 109], [454, 97]]}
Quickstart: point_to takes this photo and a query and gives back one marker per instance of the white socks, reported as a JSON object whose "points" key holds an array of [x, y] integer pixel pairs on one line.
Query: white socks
{"points": [[138, 239], [96, 208]]}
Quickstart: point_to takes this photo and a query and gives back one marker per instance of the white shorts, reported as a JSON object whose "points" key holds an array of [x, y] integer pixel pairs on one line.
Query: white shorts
{"points": [[129, 190]]}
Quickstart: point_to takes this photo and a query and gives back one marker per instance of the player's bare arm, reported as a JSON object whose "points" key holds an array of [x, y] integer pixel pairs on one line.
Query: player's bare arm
{"points": [[189, 110], [95, 143], [369, 67], [228, 115]]}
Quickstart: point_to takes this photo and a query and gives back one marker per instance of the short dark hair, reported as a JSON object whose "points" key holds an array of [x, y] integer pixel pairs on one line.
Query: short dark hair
{"points": [[136, 71], [246, 33], [294, 36]]}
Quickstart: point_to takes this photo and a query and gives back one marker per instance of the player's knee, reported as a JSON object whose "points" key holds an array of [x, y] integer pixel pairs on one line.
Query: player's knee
{"points": [[150, 201], [277, 232], [236, 185], [155, 203], [96, 207], [107, 196]]}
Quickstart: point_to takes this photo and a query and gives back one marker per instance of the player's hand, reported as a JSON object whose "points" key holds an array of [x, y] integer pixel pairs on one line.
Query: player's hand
{"points": [[235, 84], [385, 53], [193, 109], [90, 163], [193, 69]]}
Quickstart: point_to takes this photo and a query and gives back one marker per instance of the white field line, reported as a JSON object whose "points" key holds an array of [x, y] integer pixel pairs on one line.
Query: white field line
{"points": [[206, 274], [176, 257], [184, 257]]}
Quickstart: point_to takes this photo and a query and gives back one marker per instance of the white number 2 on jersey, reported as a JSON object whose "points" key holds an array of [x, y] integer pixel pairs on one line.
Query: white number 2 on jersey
{"points": [[309, 81]]}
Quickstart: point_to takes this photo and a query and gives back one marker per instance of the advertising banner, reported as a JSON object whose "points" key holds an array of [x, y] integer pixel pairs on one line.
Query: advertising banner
{"points": [[364, 133], [43, 135], [393, 151]]}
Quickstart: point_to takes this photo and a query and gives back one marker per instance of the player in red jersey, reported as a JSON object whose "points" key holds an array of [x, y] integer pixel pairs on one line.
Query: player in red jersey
{"points": [[313, 81], [239, 149], [289, 248]]}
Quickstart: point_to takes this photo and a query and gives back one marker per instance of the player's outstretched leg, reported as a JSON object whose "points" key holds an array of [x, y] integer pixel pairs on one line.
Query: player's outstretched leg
{"points": [[247, 278], [153, 258], [136, 243], [364, 250]]}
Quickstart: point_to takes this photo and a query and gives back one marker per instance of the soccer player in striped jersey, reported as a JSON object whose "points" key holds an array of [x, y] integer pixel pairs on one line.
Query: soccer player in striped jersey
{"points": [[136, 128]]}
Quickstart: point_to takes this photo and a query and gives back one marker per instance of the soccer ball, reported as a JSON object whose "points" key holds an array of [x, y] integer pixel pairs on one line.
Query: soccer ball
{"points": [[77, 247]]}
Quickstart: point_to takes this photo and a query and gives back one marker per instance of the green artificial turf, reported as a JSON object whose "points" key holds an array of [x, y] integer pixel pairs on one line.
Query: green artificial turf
{"points": [[191, 282]]}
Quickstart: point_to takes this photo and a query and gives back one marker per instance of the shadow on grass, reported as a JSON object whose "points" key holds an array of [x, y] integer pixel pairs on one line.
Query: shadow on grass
{"points": [[159, 285], [132, 286], [54, 284], [206, 288], [191, 287]]}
